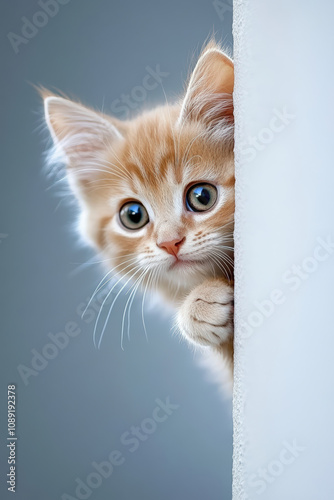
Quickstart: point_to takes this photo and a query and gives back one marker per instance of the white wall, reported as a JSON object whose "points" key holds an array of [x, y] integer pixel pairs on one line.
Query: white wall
{"points": [[284, 54]]}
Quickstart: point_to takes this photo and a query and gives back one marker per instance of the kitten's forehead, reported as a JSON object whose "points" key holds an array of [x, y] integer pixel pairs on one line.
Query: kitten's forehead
{"points": [[162, 185], [159, 154]]}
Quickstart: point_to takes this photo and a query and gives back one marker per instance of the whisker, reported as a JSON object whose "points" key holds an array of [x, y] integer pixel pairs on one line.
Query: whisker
{"points": [[104, 301], [149, 280], [97, 289], [82, 265], [220, 265], [113, 303], [129, 302]]}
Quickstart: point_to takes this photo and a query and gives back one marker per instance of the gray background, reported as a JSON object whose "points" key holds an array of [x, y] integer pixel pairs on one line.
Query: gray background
{"points": [[75, 410]]}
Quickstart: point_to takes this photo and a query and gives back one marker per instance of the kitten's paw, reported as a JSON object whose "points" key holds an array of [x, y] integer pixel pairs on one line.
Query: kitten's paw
{"points": [[206, 316]]}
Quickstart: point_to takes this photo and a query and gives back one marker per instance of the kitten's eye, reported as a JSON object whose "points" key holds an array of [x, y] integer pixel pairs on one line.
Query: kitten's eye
{"points": [[133, 215], [201, 197]]}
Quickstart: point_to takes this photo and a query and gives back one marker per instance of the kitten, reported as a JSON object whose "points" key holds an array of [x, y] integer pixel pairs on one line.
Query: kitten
{"points": [[157, 195]]}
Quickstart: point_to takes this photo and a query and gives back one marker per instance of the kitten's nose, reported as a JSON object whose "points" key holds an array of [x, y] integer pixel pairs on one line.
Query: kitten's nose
{"points": [[172, 247]]}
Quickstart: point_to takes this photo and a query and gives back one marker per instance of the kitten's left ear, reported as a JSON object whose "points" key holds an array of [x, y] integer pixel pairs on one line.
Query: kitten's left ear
{"points": [[209, 94], [80, 135]]}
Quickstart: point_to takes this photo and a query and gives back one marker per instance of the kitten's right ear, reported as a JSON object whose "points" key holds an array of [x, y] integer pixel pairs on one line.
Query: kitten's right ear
{"points": [[81, 136], [209, 97]]}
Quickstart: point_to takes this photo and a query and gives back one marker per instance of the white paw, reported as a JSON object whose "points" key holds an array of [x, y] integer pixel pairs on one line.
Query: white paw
{"points": [[206, 316]]}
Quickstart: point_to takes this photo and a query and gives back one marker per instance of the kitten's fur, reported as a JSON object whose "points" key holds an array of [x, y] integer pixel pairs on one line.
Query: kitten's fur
{"points": [[153, 159]]}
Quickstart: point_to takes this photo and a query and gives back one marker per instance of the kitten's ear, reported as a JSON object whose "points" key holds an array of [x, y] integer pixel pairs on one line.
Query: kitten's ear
{"points": [[80, 135], [209, 94]]}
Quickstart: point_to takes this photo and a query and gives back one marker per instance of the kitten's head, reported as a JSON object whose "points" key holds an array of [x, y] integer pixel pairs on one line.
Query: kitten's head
{"points": [[157, 192]]}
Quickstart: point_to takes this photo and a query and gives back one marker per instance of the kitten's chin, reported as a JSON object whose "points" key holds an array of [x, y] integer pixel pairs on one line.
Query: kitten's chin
{"points": [[185, 264], [187, 273], [179, 277], [192, 270]]}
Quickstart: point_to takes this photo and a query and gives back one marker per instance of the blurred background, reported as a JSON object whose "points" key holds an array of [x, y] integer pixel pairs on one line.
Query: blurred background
{"points": [[75, 402]]}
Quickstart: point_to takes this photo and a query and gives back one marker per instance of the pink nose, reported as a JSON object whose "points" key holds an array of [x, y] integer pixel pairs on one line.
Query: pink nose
{"points": [[172, 247]]}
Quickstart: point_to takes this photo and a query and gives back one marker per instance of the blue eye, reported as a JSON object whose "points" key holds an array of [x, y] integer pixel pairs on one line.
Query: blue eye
{"points": [[201, 197], [133, 215]]}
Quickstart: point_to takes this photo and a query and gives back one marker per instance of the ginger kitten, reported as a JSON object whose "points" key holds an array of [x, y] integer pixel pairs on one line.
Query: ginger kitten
{"points": [[157, 195]]}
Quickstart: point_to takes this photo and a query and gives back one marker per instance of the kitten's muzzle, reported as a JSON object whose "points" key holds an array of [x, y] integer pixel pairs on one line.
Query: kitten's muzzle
{"points": [[172, 247]]}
